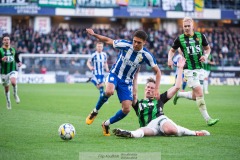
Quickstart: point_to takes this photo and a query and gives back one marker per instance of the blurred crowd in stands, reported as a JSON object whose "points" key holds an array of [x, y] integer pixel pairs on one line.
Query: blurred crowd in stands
{"points": [[223, 4], [224, 43]]}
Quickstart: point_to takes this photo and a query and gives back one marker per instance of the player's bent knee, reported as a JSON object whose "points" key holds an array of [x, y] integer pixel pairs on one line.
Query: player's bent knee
{"points": [[198, 91], [109, 93], [126, 110], [169, 129]]}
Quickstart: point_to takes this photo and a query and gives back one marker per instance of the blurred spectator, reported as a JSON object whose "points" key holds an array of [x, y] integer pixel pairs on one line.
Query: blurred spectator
{"points": [[43, 70]]}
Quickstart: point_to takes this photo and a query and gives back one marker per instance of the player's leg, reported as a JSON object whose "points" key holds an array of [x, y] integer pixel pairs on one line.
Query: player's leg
{"points": [[101, 89], [94, 80], [205, 83], [184, 83], [139, 133], [187, 78], [124, 92], [168, 127], [110, 87], [111, 83], [7, 94], [6, 83], [101, 84], [13, 79], [187, 95], [152, 129], [198, 92], [120, 114], [191, 81]]}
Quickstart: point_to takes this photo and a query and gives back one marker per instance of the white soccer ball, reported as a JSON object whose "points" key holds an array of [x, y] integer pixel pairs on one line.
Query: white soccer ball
{"points": [[66, 131]]}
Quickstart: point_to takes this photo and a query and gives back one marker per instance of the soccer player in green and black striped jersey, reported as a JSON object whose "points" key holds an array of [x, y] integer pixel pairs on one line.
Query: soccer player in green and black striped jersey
{"points": [[195, 49], [9, 60], [149, 110], [207, 68]]}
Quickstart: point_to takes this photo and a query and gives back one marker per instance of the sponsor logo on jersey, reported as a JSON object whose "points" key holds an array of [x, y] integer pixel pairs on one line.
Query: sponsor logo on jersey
{"points": [[129, 52], [191, 41], [10, 59], [130, 63], [140, 57]]}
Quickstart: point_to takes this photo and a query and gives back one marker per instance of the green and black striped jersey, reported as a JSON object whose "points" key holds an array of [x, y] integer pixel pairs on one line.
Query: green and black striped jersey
{"points": [[12, 58], [192, 48], [149, 109], [206, 65]]}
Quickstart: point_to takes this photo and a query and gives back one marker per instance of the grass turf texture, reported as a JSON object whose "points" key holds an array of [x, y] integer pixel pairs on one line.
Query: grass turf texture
{"points": [[29, 130]]}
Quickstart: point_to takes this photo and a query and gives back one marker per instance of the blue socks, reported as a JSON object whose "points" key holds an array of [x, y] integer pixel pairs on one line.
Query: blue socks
{"points": [[184, 84], [101, 91], [118, 116], [101, 101]]}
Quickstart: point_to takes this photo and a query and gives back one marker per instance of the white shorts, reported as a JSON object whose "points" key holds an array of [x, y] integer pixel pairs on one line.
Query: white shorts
{"points": [[6, 77], [193, 77], [206, 73], [156, 125]]}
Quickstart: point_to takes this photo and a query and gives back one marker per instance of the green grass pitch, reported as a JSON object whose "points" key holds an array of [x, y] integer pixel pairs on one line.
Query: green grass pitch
{"points": [[30, 129]]}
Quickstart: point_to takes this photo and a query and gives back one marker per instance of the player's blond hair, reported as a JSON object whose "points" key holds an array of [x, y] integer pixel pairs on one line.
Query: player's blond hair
{"points": [[185, 19]]}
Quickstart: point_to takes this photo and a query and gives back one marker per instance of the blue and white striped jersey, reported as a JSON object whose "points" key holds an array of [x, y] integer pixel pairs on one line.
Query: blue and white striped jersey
{"points": [[98, 60], [129, 61]]}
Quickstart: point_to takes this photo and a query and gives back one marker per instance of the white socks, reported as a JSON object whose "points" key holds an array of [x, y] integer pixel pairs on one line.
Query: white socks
{"points": [[202, 107], [187, 95], [137, 134], [185, 132], [95, 110], [107, 122], [7, 94], [15, 90], [205, 85]]}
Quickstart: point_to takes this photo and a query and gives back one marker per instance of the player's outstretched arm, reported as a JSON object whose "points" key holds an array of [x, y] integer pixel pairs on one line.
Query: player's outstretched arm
{"points": [[173, 90], [135, 88], [157, 72], [100, 37]]}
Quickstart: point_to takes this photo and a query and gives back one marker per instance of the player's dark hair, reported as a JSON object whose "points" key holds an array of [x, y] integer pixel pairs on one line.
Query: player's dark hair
{"points": [[141, 34], [151, 80], [5, 35]]}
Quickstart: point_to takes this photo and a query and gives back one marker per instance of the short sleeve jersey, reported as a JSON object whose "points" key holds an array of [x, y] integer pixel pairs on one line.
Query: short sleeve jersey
{"points": [[12, 57], [98, 60], [149, 109], [128, 60], [192, 48]]}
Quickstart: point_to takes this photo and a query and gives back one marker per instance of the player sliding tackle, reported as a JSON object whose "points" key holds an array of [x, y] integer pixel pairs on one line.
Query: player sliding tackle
{"points": [[157, 123], [132, 54]]}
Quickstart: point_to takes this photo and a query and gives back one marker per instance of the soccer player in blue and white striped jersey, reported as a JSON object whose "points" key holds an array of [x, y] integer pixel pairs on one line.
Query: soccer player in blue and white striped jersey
{"points": [[131, 56], [97, 63]]}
